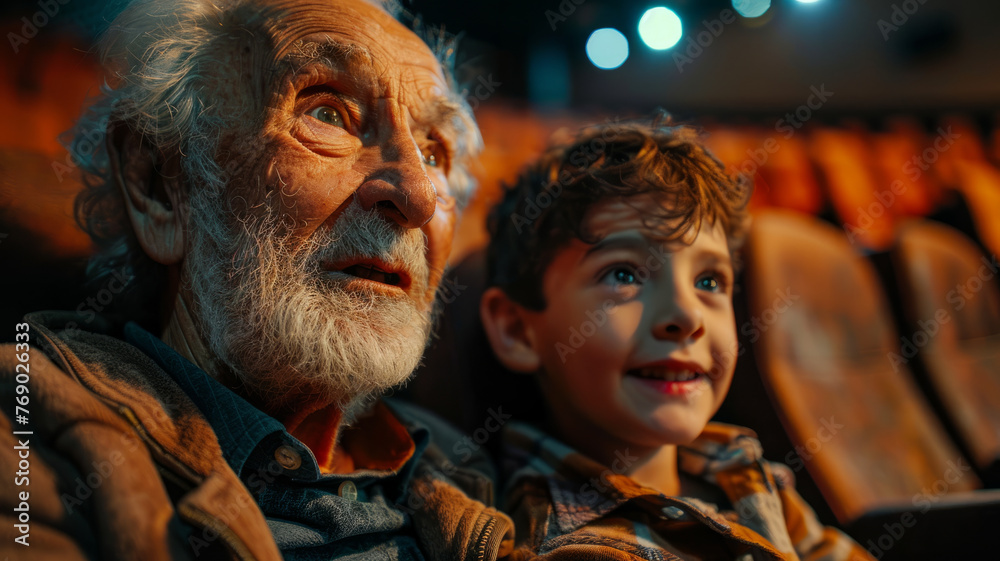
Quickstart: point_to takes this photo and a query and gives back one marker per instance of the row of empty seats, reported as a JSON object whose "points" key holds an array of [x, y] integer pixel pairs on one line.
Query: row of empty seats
{"points": [[905, 357], [837, 352], [868, 181]]}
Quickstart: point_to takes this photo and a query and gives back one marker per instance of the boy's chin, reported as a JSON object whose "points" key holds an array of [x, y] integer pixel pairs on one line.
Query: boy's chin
{"points": [[671, 423], [671, 428], [655, 432]]}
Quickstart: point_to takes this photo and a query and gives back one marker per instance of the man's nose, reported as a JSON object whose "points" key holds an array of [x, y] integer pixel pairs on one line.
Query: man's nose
{"points": [[398, 185], [679, 318]]}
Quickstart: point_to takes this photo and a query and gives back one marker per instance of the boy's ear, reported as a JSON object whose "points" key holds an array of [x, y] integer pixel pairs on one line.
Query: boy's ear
{"points": [[152, 187], [509, 334]]}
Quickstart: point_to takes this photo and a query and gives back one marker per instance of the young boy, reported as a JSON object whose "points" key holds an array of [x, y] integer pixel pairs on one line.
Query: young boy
{"points": [[610, 278]]}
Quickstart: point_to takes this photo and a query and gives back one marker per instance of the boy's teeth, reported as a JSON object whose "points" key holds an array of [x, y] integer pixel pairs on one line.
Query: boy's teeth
{"points": [[670, 376]]}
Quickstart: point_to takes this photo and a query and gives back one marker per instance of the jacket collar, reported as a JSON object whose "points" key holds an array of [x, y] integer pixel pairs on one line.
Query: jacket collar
{"points": [[239, 426], [379, 444], [177, 435], [584, 490]]}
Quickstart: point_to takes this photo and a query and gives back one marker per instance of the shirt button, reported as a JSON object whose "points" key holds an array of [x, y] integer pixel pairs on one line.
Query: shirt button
{"points": [[674, 512], [348, 490], [287, 457]]}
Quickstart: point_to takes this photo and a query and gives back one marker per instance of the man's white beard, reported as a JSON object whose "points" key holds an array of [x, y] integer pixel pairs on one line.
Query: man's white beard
{"points": [[286, 328]]}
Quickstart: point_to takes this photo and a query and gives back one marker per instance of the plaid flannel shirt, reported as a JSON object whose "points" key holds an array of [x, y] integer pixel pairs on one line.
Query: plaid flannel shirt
{"points": [[566, 506]]}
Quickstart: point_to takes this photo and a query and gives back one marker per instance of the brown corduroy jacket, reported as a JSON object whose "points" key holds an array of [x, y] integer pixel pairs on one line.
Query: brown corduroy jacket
{"points": [[122, 465]]}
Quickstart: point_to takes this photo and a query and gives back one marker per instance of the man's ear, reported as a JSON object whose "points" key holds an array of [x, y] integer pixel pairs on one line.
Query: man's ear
{"points": [[510, 336], [153, 189]]}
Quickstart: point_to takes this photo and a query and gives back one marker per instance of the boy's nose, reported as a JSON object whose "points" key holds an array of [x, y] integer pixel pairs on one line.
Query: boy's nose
{"points": [[681, 321]]}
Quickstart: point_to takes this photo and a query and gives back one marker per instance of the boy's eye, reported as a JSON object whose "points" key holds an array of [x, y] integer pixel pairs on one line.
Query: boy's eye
{"points": [[328, 115], [624, 276], [710, 282], [621, 275]]}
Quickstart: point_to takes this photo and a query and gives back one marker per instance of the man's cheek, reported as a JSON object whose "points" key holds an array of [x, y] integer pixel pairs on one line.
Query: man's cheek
{"points": [[308, 194], [440, 232]]}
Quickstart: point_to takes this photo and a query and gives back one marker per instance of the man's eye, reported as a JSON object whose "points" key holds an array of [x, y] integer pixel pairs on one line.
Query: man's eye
{"points": [[434, 155], [328, 115]]}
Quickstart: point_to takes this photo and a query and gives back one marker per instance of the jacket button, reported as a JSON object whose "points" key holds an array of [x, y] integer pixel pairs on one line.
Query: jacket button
{"points": [[287, 457], [348, 490]]}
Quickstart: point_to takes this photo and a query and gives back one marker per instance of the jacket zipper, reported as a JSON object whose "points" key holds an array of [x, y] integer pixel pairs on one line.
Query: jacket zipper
{"points": [[485, 538]]}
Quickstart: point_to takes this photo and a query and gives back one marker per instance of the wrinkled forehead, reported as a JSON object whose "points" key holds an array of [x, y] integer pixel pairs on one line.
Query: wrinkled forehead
{"points": [[354, 32]]}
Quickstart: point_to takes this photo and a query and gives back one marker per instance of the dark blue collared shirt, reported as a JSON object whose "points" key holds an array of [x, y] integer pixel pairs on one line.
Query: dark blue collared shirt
{"points": [[312, 516]]}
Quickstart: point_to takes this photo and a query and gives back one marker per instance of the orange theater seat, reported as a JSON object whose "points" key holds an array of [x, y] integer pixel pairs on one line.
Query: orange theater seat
{"points": [[788, 174], [844, 157], [898, 160], [825, 360], [979, 183], [741, 152], [951, 302]]}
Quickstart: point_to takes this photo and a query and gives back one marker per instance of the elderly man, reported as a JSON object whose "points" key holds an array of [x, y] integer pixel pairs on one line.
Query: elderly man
{"points": [[275, 182]]}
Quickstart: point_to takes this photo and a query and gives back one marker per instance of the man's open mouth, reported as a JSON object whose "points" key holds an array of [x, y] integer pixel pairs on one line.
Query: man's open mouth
{"points": [[375, 271], [372, 273]]}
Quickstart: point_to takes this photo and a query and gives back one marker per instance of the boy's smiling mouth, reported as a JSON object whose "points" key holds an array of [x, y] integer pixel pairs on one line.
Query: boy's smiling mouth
{"points": [[664, 374], [673, 377]]}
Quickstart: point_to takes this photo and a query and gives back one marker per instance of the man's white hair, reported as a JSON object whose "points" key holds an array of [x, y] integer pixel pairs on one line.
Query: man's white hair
{"points": [[160, 55]]}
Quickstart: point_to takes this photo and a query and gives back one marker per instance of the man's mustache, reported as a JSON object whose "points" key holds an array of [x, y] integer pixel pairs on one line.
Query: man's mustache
{"points": [[367, 235]]}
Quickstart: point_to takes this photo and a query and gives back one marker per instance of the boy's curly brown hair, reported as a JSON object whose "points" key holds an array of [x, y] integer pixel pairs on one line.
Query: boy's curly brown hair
{"points": [[545, 207]]}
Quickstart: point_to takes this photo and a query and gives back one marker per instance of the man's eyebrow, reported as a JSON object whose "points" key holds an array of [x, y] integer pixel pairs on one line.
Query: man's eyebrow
{"points": [[332, 54], [448, 116], [445, 114]]}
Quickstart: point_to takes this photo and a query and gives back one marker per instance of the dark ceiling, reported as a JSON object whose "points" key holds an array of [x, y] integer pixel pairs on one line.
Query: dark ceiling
{"points": [[942, 55]]}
